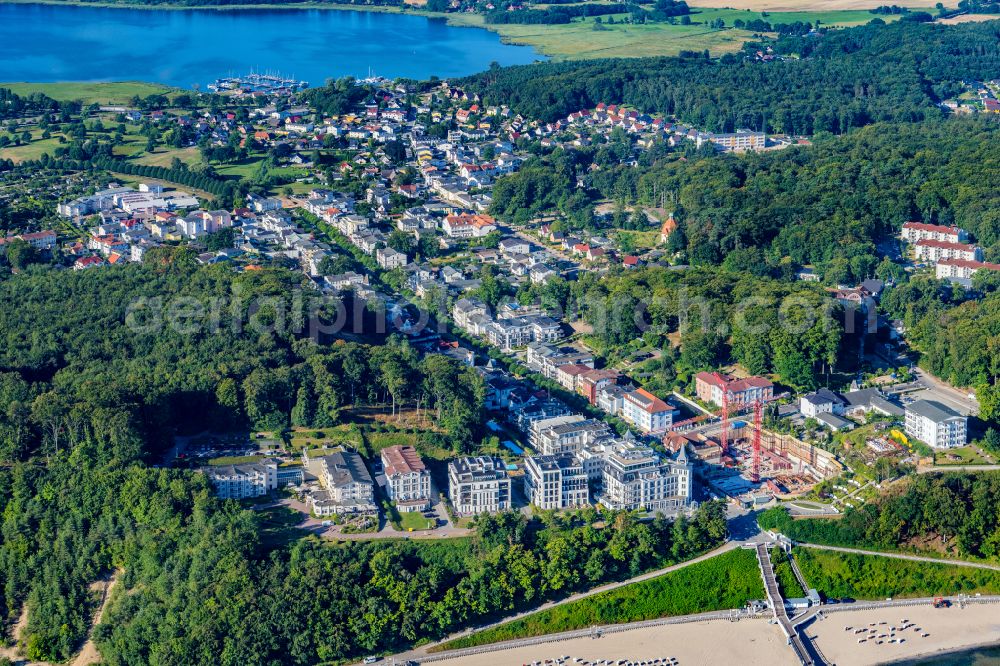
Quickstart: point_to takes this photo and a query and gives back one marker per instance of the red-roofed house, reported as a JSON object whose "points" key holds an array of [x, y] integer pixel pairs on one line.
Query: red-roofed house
{"points": [[935, 250], [87, 262], [962, 268], [740, 391], [408, 481], [918, 231], [647, 412]]}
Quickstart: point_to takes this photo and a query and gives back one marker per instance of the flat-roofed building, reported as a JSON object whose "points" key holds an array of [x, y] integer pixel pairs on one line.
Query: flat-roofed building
{"points": [[243, 480], [479, 485], [555, 482]]}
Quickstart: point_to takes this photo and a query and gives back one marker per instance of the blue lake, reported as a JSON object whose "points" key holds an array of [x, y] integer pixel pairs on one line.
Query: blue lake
{"points": [[186, 47]]}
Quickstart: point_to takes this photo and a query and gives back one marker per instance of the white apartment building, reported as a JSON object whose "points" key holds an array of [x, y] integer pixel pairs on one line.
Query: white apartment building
{"points": [[348, 486], [918, 231], [962, 268], [934, 250], [555, 482], [635, 477], [479, 485], [571, 437], [647, 412], [389, 258], [243, 481], [936, 425], [408, 481]]}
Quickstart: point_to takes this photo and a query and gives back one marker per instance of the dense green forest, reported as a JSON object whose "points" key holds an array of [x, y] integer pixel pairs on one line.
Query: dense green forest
{"points": [[959, 512], [958, 336], [93, 392], [844, 79], [827, 205], [767, 325]]}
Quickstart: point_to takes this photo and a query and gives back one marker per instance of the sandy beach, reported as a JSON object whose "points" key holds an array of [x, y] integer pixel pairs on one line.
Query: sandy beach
{"points": [[948, 628], [748, 643]]}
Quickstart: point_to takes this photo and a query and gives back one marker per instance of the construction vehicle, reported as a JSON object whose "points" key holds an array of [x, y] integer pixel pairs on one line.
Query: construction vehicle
{"points": [[941, 602]]}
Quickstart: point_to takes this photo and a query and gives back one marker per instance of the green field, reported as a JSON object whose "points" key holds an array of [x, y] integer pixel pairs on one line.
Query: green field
{"points": [[414, 520], [579, 40], [163, 157], [235, 460], [30, 151], [789, 584], [727, 581], [837, 575], [90, 93]]}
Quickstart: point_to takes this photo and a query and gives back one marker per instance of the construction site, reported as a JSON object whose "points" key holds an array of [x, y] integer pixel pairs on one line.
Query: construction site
{"points": [[744, 461]]}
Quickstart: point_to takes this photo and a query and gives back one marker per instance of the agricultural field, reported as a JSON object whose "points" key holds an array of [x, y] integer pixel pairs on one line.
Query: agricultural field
{"points": [[580, 40], [92, 93], [727, 581], [837, 575]]}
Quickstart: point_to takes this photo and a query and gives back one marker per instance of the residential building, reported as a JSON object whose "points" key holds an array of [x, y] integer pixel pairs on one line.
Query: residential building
{"points": [[348, 485], [478, 485], [555, 482], [918, 231], [962, 268], [935, 250], [631, 476], [469, 313], [467, 225], [935, 424], [243, 481], [408, 481], [569, 437], [740, 392], [647, 412], [591, 381], [822, 401], [611, 398], [389, 258]]}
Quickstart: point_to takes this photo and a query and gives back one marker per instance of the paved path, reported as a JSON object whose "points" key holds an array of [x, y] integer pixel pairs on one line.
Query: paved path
{"points": [[957, 468], [777, 602], [902, 556], [422, 651]]}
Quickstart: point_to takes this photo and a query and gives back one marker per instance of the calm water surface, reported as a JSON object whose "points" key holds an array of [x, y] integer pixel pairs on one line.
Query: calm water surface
{"points": [[182, 48]]}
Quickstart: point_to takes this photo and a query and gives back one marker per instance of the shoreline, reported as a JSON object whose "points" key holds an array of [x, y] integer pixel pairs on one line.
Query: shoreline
{"points": [[453, 20]]}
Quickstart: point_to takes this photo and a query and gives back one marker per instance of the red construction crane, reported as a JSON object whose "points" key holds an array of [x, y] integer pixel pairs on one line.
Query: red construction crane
{"points": [[724, 435], [758, 417]]}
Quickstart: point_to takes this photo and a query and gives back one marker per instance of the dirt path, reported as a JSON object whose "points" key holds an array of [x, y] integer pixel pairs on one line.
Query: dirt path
{"points": [[14, 653], [88, 653]]}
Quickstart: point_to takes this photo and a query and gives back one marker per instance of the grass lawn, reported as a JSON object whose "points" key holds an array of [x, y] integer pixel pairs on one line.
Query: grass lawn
{"points": [[89, 93], [727, 581], [642, 240], [414, 520], [311, 438], [234, 460], [789, 584], [242, 169], [164, 156], [31, 151], [837, 574], [966, 455]]}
